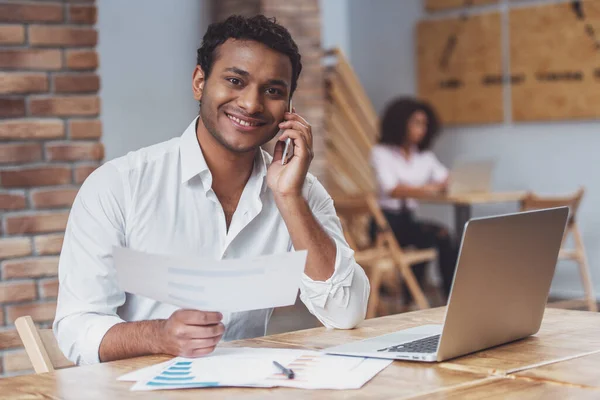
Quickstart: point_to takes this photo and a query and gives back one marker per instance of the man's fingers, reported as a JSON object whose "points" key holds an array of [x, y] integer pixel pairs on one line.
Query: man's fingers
{"points": [[301, 146], [196, 344], [278, 152], [200, 352], [298, 126], [204, 332], [297, 117], [195, 317]]}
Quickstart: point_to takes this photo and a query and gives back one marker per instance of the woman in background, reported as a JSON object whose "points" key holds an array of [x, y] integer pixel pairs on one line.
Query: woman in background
{"points": [[405, 168]]}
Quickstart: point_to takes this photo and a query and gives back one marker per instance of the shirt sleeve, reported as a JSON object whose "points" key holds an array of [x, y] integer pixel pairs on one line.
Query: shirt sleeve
{"points": [[89, 295], [439, 172], [384, 173], [340, 301]]}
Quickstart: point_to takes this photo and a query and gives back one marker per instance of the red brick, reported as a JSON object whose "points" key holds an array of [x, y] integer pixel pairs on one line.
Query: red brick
{"points": [[12, 108], [49, 288], [21, 129], [83, 171], [45, 35], [9, 339], [15, 247], [19, 153], [15, 361], [14, 292], [15, 83], [12, 34], [31, 12], [82, 14], [49, 244], [81, 59], [64, 106], [30, 267], [76, 83], [53, 198], [85, 129], [37, 223], [12, 201], [38, 176], [39, 312], [75, 151], [31, 59]]}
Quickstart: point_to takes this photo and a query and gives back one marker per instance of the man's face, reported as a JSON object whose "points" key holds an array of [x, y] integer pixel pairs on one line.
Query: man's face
{"points": [[246, 95]]}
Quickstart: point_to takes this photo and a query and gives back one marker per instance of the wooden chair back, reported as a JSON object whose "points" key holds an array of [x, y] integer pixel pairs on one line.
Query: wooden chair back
{"points": [[533, 201], [41, 346], [577, 254], [382, 256]]}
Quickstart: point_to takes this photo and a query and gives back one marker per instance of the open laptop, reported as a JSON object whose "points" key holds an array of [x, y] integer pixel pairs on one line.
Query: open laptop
{"points": [[471, 177], [500, 288]]}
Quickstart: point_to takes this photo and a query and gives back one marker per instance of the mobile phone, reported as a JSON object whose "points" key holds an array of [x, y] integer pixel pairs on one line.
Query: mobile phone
{"points": [[288, 142]]}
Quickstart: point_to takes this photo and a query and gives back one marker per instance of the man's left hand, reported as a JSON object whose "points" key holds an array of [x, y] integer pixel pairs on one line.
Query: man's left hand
{"points": [[287, 180]]}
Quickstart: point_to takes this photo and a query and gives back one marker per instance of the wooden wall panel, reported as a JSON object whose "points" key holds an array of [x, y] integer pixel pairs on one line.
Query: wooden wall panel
{"points": [[556, 62], [468, 89]]}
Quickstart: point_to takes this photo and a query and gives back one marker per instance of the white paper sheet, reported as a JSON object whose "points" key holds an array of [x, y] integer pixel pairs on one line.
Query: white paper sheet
{"points": [[253, 367], [212, 285]]}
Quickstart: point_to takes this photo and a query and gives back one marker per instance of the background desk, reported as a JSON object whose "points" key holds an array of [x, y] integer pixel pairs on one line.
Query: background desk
{"points": [[463, 204], [545, 365]]}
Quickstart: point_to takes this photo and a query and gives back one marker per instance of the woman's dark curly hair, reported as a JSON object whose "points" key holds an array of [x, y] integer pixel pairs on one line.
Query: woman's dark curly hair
{"points": [[394, 124], [259, 29]]}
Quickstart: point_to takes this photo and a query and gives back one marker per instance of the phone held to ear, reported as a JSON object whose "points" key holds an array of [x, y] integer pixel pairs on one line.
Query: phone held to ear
{"points": [[288, 143]]}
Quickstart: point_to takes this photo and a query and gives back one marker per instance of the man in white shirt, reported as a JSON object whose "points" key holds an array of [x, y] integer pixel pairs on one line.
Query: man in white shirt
{"points": [[211, 192]]}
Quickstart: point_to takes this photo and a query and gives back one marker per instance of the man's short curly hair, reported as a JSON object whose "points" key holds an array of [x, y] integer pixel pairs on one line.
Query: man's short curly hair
{"points": [[259, 29]]}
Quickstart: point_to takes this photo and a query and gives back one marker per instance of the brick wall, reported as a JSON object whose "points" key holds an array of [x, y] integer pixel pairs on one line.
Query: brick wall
{"points": [[302, 19], [49, 143]]}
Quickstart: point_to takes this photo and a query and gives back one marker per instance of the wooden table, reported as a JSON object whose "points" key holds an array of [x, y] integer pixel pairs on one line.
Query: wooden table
{"points": [[561, 361], [463, 204]]}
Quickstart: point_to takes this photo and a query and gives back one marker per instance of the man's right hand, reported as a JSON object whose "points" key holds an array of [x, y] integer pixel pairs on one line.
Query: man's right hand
{"points": [[191, 333]]}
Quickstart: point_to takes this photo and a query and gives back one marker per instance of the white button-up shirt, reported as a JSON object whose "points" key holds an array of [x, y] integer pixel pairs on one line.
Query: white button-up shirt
{"points": [[393, 169], [159, 200]]}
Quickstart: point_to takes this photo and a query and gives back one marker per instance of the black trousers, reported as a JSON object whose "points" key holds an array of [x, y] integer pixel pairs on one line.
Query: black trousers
{"points": [[423, 235]]}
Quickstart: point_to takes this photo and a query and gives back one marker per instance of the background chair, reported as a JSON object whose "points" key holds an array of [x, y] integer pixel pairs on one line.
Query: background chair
{"points": [[577, 253], [41, 347], [382, 257]]}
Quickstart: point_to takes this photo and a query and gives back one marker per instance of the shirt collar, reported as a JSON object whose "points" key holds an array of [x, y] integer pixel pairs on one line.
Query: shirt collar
{"points": [[193, 162], [192, 159]]}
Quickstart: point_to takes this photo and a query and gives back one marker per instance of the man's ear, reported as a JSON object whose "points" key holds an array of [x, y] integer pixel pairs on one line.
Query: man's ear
{"points": [[198, 83]]}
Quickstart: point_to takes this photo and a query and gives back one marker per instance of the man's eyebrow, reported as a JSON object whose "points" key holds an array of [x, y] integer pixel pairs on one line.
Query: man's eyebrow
{"points": [[238, 71], [278, 82]]}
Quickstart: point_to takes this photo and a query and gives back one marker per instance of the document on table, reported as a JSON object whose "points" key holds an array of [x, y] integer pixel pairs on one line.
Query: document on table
{"points": [[212, 285], [253, 367]]}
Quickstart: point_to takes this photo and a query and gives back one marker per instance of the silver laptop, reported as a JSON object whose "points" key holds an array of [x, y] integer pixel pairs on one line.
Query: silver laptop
{"points": [[501, 285], [471, 177]]}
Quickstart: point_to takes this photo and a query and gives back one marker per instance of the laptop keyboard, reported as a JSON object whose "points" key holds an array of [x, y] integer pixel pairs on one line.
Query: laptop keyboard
{"points": [[425, 345]]}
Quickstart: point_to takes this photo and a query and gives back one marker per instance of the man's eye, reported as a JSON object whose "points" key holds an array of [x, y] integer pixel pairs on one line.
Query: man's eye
{"points": [[273, 91], [234, 81]]}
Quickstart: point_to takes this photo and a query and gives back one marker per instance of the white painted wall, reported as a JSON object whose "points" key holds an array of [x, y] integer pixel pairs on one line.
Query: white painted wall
{"points": [[381, 46], [147, 52], [334, 25], [550, 158]]}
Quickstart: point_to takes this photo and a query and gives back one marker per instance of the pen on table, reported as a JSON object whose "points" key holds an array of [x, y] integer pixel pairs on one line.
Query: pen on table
{"points": [[286, 371]]}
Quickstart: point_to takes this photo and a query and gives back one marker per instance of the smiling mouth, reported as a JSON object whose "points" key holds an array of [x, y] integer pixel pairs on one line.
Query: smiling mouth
{"points": [[244, 122]]}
